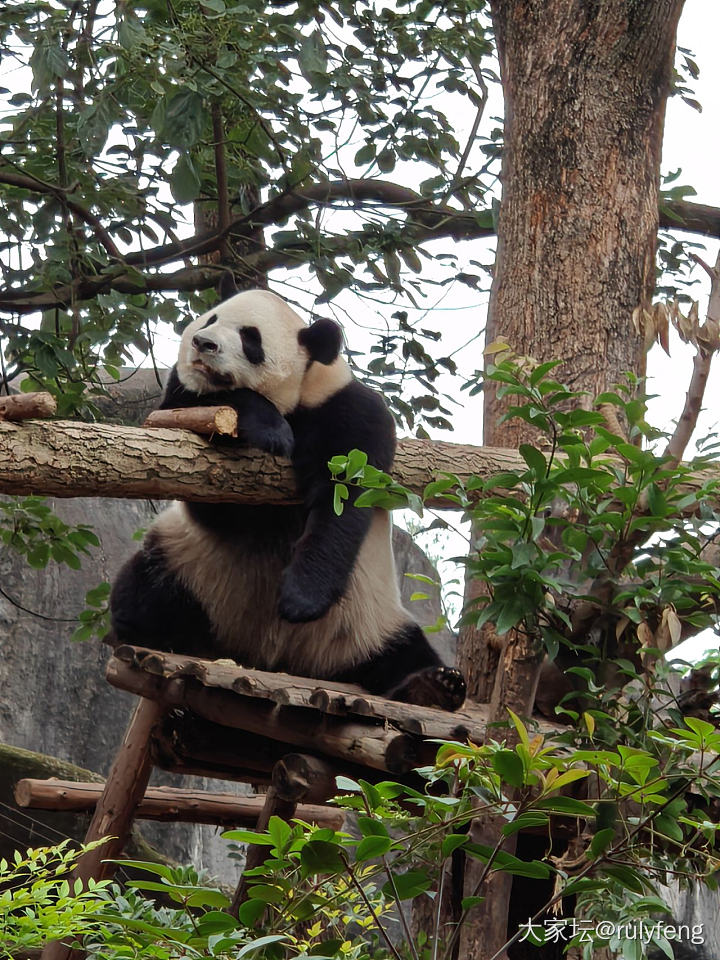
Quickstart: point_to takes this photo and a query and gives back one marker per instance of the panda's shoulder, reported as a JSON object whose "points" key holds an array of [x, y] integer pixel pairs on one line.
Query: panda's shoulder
{"points": [[354, 416]]}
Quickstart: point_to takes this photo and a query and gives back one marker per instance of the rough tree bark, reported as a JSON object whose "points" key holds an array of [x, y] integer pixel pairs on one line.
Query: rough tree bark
{"points": [[585, 88], [66, 458]]}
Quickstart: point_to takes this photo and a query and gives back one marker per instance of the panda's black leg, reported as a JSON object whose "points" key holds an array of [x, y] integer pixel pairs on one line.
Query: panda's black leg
{"points": [[150, 608], [408, 669], [322, 561]]}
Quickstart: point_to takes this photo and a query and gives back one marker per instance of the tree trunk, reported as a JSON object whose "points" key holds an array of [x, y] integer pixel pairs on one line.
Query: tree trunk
{"points": [[585, 88]]}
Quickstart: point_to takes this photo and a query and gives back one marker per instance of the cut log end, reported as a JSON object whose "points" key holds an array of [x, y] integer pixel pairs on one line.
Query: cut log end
{"points": [[203, 420], [28, 406]]}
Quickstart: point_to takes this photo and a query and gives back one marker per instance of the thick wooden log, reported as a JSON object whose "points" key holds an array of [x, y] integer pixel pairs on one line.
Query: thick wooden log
{"points": [[207, 421], [371, 745], [167, 803], [72, 459], [339, 699], [193, 746], [27, 406], [301, 777]]}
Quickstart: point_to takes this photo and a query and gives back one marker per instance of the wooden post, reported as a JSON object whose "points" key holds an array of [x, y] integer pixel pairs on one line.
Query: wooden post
{"points": [[126, 784], [303, 778], [274, 806]]}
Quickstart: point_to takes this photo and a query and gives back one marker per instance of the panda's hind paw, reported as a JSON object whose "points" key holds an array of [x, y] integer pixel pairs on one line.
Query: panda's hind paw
{"points": [[442, 687]]}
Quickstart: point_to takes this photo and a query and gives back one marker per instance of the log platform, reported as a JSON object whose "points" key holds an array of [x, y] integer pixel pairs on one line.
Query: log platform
{"points": [[216, 718]]}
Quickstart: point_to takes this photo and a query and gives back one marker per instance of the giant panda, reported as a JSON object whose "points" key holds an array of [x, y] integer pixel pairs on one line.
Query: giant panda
{"points": [[286, 588]]}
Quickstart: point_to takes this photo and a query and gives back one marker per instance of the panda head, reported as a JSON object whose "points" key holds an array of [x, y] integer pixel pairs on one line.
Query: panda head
{"points": [[256, 340]]}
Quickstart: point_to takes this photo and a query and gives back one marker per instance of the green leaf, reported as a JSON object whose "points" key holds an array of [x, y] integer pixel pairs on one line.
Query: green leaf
{"points": [[249, 836], [407, 885], [386, 160], [184, 180], [601, 841], [370, 827], [259, 944], [451, 842], [319, 856], [371, 847], [509, 767], [340, 494], [312, 57], [184, 120]]}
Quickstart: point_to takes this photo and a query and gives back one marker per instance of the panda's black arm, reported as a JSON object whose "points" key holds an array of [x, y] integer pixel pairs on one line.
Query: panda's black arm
{"points": [[325, 555], [260, 424]]}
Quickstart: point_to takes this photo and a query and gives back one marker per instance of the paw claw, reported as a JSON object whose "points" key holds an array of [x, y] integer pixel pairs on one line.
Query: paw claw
{"points": [[442, 687]]}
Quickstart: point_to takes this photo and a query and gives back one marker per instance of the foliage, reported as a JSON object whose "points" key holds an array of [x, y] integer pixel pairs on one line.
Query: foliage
{"points": [[39, 901], [264, 117], [326, 893], [30, 527], [592, 544]]}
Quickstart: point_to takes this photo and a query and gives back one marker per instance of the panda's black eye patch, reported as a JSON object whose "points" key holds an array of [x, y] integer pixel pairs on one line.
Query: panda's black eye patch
{"points": [[211, 319], [252, 344]]}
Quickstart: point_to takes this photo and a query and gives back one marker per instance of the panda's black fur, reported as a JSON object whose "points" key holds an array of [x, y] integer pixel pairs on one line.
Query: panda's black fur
{"points": [[292, 588]]}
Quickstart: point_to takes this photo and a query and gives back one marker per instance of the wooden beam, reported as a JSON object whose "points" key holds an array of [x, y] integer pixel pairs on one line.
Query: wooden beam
{"points": [[72, 459], [169, 803]]}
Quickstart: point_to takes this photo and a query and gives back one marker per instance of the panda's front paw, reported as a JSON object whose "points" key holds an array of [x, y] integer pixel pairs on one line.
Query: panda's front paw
{"points": [[442, 687], [303, 599], [278, 441]]}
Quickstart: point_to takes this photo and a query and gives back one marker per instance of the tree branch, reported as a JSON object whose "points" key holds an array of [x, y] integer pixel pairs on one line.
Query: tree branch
{"points": [[29, 182], [425, 221]]}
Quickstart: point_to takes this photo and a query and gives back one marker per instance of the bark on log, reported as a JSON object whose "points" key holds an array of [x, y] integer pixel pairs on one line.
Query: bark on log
{"points": [[274, 806], [167, 803], [300, 777], [26, 406], [206, 421], [73, 459], [67, 458]]}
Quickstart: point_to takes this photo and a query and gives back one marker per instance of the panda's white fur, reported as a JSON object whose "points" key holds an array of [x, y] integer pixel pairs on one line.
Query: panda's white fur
{"points": [[243, 599]]}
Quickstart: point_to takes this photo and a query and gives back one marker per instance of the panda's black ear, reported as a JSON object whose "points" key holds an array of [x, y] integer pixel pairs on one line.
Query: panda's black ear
{"points": [[322, 340]]}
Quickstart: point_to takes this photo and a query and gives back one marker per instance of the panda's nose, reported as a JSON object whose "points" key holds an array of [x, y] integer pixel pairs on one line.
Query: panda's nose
{"points": [[204, 344]]}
